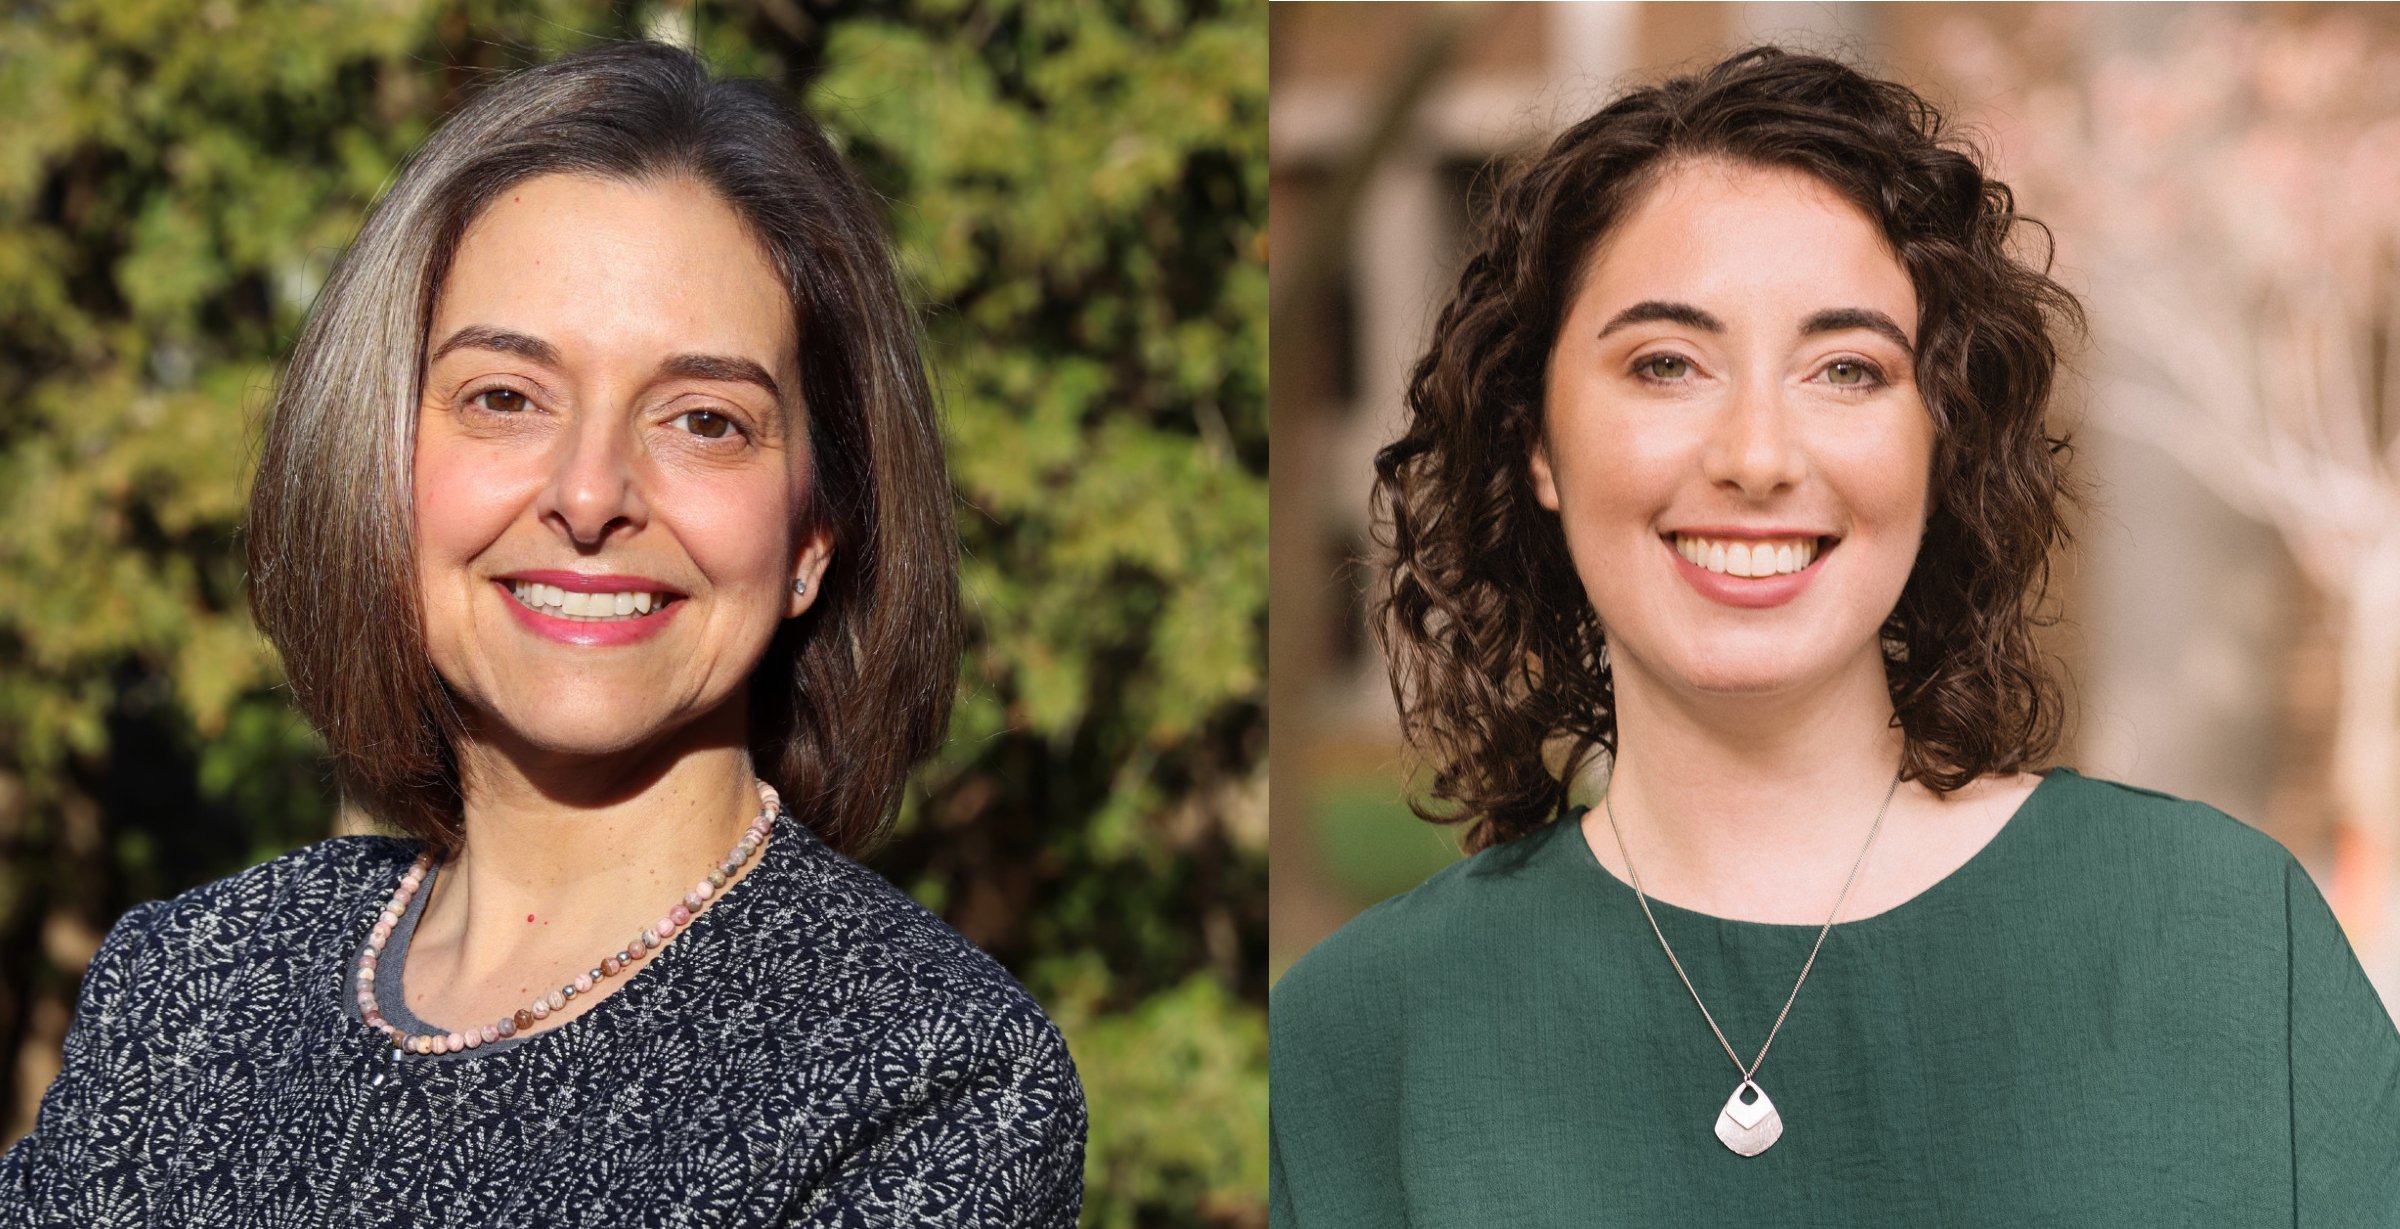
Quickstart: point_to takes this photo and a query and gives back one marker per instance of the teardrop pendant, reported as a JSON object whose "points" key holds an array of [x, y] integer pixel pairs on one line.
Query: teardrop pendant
{"points": [[1752, 1128]]}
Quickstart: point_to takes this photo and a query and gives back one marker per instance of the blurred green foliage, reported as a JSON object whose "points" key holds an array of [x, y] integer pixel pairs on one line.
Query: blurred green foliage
{"points": [[1079, 195]]}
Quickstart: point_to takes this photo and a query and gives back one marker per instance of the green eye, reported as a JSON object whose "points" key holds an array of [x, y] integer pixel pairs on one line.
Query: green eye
{"points": [[1665, 367], [1846, 373]]}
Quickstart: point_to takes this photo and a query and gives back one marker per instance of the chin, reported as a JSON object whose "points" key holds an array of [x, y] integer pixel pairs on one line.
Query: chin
{"points": [[1722, 682], [564, 719], [1759, 670], [586, 739]]}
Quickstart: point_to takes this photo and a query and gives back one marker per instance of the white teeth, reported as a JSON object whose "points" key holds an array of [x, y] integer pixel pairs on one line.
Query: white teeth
{"points": [[1748, 558], [560, 603]]}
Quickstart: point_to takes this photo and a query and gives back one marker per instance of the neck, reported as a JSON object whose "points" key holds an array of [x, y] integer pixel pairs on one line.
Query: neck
{"points": [[571, 854], [1756, 798]]}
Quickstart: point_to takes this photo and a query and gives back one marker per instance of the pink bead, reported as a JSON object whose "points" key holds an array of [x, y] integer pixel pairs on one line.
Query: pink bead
{"points": [[557, 1000], [704, 890], [541, 1009], [583, 983], [491, 1033], [679, 915], [665, 929]]}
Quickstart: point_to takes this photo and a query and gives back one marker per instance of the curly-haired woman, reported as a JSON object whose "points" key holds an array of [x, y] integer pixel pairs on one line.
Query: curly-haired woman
{"points": [[1727, 466], [602, 517]]}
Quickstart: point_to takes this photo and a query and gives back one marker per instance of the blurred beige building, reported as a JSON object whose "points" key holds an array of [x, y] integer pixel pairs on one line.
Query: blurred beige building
{"points": [[2197, 657]]}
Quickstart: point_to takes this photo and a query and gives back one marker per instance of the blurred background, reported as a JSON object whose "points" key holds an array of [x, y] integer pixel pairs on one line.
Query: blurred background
{"points": [[1079, 194], [2224, 185]]}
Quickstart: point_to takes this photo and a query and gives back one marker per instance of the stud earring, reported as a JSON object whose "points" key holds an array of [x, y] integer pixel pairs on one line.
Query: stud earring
{"points": [[800, 587]]}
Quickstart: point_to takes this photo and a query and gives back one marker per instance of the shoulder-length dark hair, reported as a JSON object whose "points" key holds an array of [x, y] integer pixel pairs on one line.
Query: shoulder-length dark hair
{"points": [[1496, 656], [850, 695]]}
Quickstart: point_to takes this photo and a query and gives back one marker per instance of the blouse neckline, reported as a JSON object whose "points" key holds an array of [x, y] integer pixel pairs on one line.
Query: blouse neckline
{"points": [[391, 997], [1982, 865]]}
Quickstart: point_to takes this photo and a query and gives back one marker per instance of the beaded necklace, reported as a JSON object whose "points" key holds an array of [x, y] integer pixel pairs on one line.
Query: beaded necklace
{"points": [[650, 940]]}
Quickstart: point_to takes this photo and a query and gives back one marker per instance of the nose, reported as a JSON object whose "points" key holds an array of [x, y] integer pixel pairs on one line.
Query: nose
{"points": [[1754, 445], [595, 486]]}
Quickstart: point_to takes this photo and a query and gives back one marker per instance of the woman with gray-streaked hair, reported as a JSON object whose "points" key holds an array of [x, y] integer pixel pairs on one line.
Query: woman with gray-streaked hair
{"points": [[603, 526]]}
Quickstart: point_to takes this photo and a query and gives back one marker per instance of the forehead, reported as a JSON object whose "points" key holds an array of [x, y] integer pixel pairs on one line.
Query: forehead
{"points": [[1726, 236], [625, 268]]}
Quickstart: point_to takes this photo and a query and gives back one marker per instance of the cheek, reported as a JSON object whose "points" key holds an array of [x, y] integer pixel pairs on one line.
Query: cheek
{"points": [[1890, 477], [462, 501], [737, 528], [1613, 481]]}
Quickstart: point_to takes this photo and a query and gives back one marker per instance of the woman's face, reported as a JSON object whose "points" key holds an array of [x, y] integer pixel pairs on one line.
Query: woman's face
{"points": [[1734, 440], [611, 467]]}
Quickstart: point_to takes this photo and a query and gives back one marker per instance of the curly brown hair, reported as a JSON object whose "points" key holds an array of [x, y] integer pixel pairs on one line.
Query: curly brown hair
{"points": [[1497, 658]]}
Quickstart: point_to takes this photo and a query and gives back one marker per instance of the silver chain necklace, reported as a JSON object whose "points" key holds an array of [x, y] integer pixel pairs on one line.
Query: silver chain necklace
{"points": [[1748, 1127]]}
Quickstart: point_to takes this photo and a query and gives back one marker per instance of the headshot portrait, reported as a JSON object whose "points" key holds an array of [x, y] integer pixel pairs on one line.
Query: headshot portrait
{"points": [[1706, 518], [621, 689]]}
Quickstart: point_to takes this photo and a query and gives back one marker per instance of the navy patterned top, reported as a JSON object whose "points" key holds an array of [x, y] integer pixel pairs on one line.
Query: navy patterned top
{"points": [[814, 1049]]}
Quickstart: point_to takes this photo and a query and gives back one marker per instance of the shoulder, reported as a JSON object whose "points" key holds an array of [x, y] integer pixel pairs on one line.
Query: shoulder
{"points": [[890, 1017], [861, 950], [2137, 865], [173, 964], [295, 893], [1470, 906], [2159, 831]]}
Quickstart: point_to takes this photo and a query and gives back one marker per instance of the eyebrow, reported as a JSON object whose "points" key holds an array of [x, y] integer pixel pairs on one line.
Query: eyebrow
{"points": [[688, 366], [1650, 310], [1838, 319], [1831, 320]]}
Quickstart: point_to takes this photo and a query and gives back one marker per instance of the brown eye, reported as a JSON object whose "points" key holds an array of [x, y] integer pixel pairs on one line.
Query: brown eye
{"points": [[1664, 367], [706, 424], [491, 399]]}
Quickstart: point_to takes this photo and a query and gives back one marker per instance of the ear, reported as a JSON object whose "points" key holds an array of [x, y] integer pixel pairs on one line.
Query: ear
{"points": [[1545, 483], [808, 564]]}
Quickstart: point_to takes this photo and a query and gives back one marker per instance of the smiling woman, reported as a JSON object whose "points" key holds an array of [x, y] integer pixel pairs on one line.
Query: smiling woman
{"points": [[1727, 469], [602, 525]]}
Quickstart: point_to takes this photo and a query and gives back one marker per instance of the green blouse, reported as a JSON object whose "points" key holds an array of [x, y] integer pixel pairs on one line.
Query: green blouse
{"points": [[2126, 1009]]}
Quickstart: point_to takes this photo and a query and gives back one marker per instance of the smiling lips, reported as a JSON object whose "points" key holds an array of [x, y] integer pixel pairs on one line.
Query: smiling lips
{"points": [[568, 603], [1749, 572], [573, 608]]}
